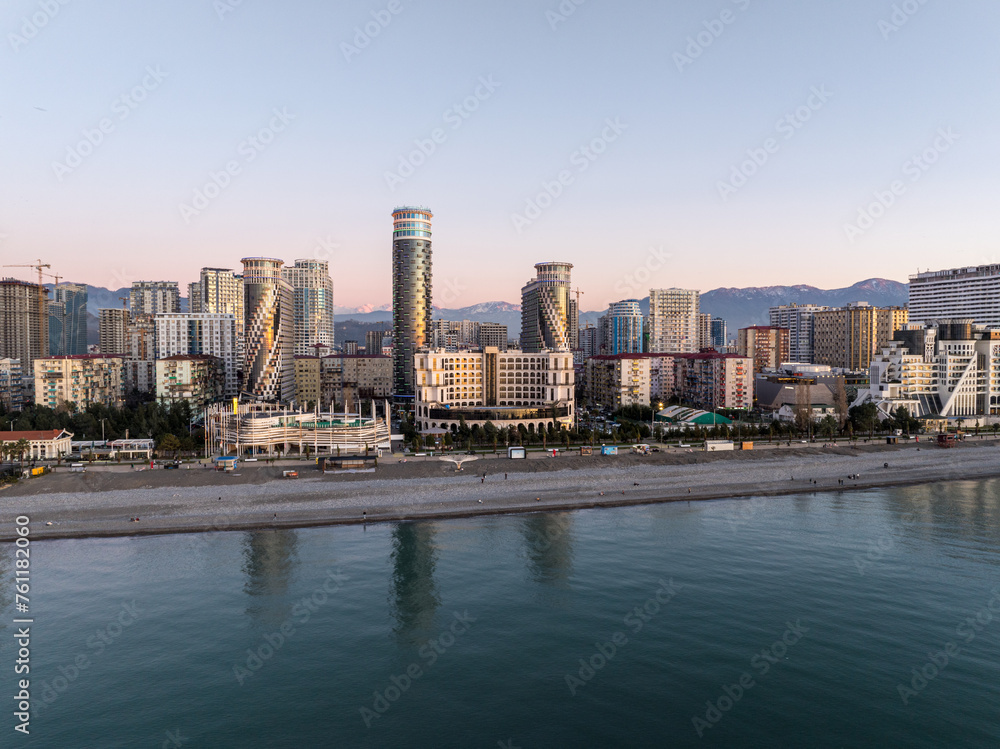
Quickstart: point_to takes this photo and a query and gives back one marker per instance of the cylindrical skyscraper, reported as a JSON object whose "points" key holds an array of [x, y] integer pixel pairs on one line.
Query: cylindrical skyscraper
{"points": [[411, 292], [548, 314], [268, 305]]}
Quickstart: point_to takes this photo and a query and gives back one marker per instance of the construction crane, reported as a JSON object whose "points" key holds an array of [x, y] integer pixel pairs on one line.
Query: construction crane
{"points": [[43, 297], [124, 300], [578, 293]]}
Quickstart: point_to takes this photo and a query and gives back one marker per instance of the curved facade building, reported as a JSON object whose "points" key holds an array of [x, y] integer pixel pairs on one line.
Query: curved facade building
{"points": [[548, 314], [269, 330], [623, 332], [411, 292]]}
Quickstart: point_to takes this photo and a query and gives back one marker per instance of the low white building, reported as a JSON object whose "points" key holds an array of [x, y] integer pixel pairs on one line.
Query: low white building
{"points": [[48, 444]]}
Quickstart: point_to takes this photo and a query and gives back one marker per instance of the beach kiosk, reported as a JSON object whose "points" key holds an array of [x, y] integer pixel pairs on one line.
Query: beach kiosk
{"points": [[226, 463], [517, 453]]}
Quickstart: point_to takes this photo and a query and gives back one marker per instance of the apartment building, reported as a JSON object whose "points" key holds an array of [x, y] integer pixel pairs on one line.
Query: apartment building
{"points": [[83, 380], [850, 337]]}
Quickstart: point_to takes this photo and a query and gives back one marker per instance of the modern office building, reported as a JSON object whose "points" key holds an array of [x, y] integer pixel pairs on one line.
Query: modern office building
{"points": [[505, 389], [949, 369], [83, 380], [719, 334], [673, 320], [313, 292], [799, 320], [549, 318], [198, 379], [411, 292], [971, 293], [154, 297], [11, 385], [68, 320], [24, 324], [113, 330], [199, 334], [849, 337], [622, 327], [768, 347], [269, 330]]}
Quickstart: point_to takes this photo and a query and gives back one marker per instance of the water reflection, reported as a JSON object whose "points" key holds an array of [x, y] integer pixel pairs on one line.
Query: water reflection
{"points": [[414, 596], [549, 546], [269, 558]]}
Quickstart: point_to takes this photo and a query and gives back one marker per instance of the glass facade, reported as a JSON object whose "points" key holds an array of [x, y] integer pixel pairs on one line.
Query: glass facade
{"points": [[411, 292]]}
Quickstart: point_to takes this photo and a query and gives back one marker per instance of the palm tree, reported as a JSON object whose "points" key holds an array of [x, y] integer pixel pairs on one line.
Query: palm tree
{"points": [[20, 448]]}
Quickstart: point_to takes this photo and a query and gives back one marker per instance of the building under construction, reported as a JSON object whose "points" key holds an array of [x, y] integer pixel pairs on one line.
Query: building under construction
{"points": [[24, 322]]}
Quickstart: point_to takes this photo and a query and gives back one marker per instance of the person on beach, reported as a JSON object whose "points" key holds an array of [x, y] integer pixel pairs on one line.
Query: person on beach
{"points": [[505, 477]]}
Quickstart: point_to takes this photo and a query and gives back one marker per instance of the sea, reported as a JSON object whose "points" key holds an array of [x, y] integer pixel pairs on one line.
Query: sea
{"points": [[853, 619]]}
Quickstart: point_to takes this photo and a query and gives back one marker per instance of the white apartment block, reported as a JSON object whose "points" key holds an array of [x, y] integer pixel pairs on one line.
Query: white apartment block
{"points": [[200, 333], [113, 331], [960, 293], [313, 306], [951, 371], [220, 292], [799, 319], [673, 321], [154, 297], [505, 388]]}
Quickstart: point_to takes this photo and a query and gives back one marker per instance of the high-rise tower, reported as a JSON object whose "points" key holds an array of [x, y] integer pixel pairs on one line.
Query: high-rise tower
{"points": [[313, 288], [268, 366], [411, 292], [548, 314]]}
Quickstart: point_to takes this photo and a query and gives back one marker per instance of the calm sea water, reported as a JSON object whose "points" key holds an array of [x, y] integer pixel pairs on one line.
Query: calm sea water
{"points": [[827, 620]]}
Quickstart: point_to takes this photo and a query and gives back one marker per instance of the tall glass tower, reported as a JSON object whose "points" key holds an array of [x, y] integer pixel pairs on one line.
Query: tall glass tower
{"points": [[411, 292]]}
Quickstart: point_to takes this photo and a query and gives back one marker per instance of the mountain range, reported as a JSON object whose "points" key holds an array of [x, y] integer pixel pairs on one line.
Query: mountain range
{"points": [[739, 307]]}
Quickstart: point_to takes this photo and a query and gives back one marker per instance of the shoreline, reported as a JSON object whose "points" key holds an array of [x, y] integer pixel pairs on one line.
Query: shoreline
{"points": [[426, 492]]}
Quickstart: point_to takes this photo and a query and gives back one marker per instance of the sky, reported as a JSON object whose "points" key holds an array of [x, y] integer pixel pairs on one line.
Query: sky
{"points": [[651, 144]]}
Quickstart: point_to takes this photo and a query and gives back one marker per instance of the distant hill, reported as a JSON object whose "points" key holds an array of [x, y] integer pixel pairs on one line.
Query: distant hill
{"points": [[744, 307]]}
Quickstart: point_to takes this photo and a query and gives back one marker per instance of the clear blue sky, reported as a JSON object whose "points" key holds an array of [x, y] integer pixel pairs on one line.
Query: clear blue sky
{"points": [[116, 217]]}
